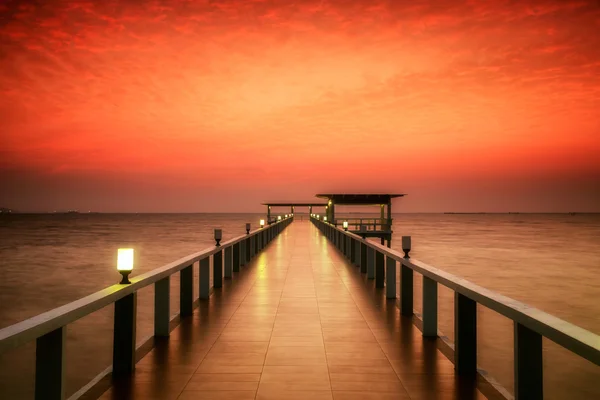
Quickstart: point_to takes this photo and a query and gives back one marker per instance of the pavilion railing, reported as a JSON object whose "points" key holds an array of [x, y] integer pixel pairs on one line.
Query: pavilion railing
{"points": [[49, 329], [368, 224], [530, 324]]}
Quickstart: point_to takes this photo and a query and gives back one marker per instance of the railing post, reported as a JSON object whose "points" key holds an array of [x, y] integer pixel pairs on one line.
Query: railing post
{"points": [[227, 266], [218, 269], [363, 257], [186, 291], [465, 335], [352, 251], [430, 299], [357, 256], [162, 307], [124, 335], [50, 365], [236, 257], [390, 278], [370, 263], [379, 269], [247, 244], [243, 252], [204, 278], [259, 244], [528, 364], [406, 290]]}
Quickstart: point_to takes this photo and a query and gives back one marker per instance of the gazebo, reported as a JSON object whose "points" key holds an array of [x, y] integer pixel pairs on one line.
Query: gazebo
{"points": [[365, 227], [292, 207]]}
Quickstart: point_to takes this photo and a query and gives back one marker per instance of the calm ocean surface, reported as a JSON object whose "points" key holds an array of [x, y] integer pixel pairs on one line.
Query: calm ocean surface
{"points": [[551, 262]]}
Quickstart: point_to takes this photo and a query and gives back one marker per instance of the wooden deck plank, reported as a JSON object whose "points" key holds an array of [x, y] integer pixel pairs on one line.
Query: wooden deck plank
{"points": [[299, 322]]}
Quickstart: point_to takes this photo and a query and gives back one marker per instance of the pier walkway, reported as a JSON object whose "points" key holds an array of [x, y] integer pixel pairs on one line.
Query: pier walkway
{"points": [[299, 322]]}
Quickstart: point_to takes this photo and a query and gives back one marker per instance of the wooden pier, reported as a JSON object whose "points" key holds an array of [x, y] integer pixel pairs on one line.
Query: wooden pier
{"points": [[298, 311], [299, 324]]}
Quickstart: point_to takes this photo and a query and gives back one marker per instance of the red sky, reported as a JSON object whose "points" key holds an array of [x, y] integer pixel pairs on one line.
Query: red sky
{"points": [[220, 105]]}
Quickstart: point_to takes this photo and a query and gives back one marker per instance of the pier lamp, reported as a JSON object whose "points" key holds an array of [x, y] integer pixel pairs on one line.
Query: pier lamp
{"points": [[345, 224], [318, 216], [406, 246], [324, 219], [279, 218], [262, 223], [247, 228], [124, 264], [218, 236]]}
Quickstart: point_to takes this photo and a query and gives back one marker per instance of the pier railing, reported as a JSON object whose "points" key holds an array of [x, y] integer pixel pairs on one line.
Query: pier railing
{"points": [[369, 224], [530, 324], [49, 329]]}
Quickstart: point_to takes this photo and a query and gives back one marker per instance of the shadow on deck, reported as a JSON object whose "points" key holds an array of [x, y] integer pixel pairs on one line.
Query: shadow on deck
{"points": [[300, 322]]}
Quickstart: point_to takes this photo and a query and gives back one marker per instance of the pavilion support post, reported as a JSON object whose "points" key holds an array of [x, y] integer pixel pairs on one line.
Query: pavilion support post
{"points": [[204, 278], [50, 365], [390, 278], [389, 222], [528, 364], [465, 335], [332, 209]]}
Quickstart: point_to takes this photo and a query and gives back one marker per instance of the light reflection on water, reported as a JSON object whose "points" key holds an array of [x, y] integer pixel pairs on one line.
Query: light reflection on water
{"points": [[548, 261]]}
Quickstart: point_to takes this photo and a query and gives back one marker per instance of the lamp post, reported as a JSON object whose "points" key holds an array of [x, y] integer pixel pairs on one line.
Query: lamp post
{"points": [[345, 224], [218, 236], [247, 228], [124, 264], [262, 223], [279, 218]]}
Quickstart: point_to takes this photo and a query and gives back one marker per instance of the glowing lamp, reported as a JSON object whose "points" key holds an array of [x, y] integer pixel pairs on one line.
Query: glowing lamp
{"points": [[325, 219], [247, 228], [262, 223], [218, 236], [345, 224], [279, 218], [124, 263]]}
